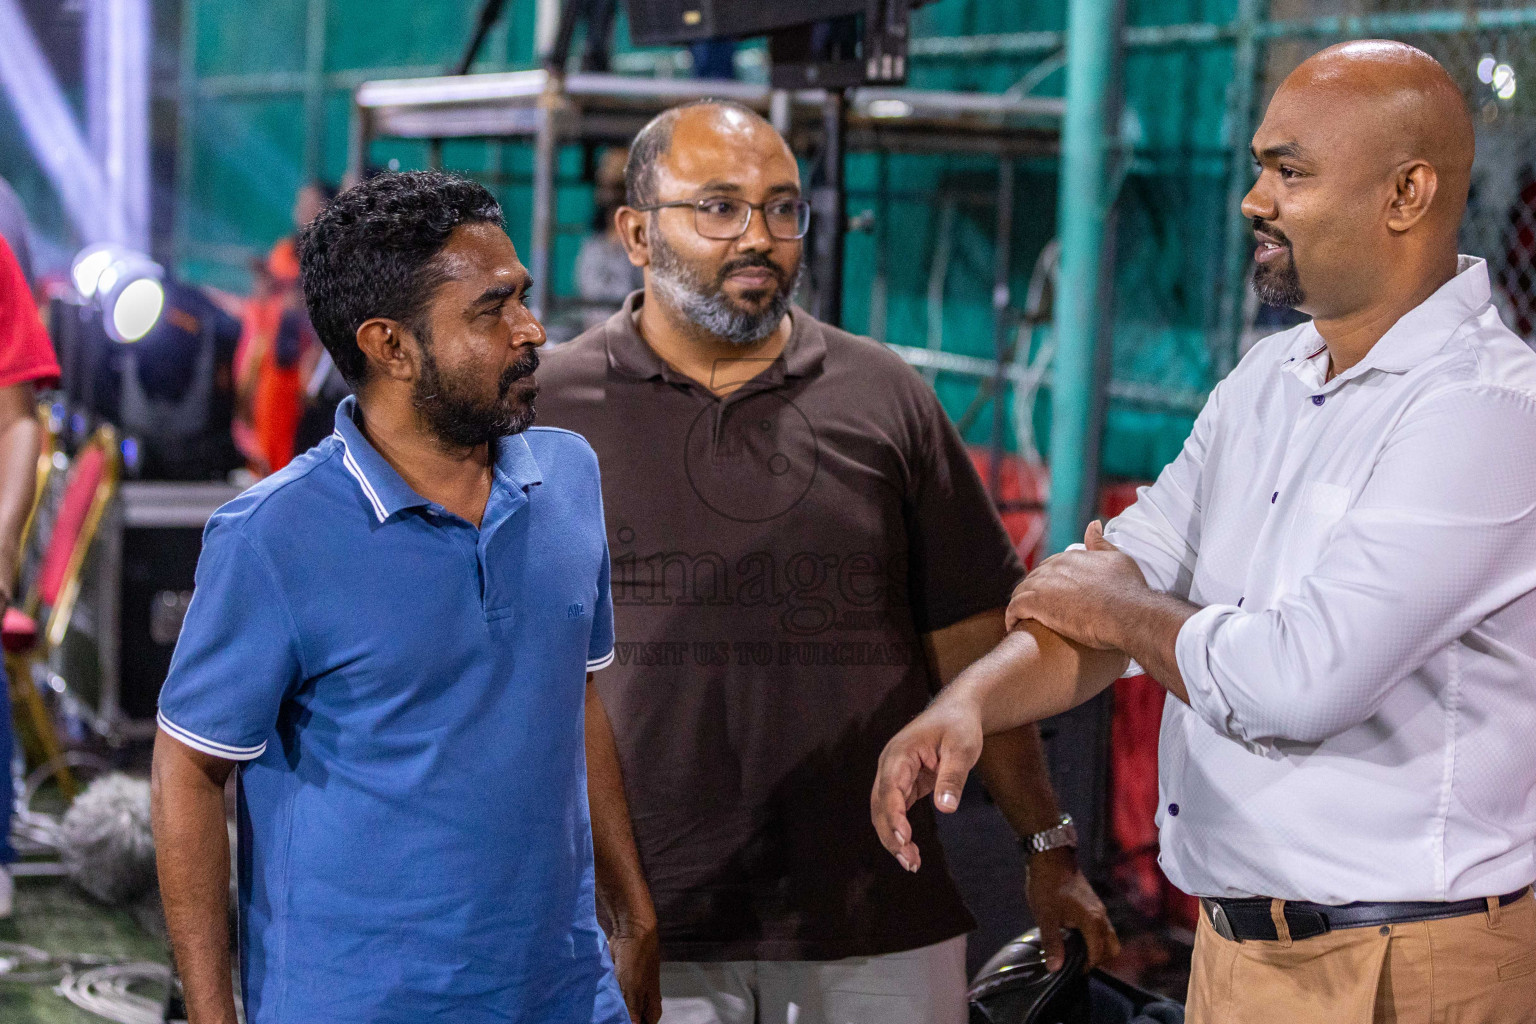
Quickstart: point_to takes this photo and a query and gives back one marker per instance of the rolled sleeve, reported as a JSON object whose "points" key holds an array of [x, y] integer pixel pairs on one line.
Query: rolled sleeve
{"points": [[1442, 536], [237, 657], [1161, 530], [1192, 649]]}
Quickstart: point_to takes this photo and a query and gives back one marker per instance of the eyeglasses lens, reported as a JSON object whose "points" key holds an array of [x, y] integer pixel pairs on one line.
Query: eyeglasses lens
{"points": [[728, 218]]}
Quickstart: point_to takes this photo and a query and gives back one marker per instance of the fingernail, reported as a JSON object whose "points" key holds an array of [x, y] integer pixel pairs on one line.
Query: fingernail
{"points": [[903, 862], [949, 800]]}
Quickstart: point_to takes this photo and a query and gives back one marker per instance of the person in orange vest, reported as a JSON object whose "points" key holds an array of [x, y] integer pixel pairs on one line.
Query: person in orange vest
{"points": [[276, 345]]}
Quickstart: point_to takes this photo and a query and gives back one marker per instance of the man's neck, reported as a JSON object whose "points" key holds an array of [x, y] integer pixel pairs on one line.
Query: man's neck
{"points": [[1351, 336], [721, 366], [458, 479]]}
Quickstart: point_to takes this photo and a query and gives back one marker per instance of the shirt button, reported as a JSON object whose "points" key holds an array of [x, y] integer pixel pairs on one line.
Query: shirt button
{"points": [[1317, 399], [1173, 809]]}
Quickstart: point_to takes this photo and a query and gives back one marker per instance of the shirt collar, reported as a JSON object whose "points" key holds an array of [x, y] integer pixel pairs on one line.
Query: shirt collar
{"points": [[629, 354], [1419, 334], [388, 493]]}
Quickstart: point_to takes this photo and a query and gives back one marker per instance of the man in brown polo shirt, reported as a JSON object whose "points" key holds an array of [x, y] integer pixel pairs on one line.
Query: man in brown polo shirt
{"points": [[802, 555]]}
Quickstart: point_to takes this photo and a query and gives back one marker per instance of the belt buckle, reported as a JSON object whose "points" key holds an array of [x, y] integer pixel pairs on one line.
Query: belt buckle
{"points": [[1218, 919]]}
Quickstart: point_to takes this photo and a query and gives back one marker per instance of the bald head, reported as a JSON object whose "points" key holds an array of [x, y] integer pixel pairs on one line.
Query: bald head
{"points": [[1399, 105], [1365, 158], [725, 120]]}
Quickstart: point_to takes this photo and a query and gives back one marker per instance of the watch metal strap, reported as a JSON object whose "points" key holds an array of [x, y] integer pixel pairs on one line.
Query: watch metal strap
{"points": [[1063, 833]]}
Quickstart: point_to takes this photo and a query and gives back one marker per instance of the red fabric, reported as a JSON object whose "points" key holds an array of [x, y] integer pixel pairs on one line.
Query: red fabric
{"points": [[20, 632], [84, 477], [1019, 481], [25, 352], [1134, 731]]}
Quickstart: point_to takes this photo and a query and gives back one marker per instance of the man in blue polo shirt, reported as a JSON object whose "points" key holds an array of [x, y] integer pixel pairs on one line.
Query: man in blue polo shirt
{"points": [[390, 638]]}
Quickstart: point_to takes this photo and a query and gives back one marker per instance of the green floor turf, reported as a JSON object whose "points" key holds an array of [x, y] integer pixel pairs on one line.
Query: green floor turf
{"points": [[52, 914]]}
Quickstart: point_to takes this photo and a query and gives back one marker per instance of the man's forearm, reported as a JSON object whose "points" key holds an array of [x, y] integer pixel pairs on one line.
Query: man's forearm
{"points": [[1032, 675], [620, 881], [1013, 767], [192, 852], [1146, 626]]}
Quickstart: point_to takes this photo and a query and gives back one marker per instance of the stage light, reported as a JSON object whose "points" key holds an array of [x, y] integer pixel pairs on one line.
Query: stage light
{"points": [[1504, 82], [88, 265], [125, 284], [131, 298]]}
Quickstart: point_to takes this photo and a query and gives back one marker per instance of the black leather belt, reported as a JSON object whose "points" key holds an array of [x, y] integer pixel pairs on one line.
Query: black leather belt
{"points": [[1249, 920]]}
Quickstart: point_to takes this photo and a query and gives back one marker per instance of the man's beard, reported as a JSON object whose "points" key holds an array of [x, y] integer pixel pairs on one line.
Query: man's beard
{"points": [[705, 304], [460, 418], [1278, 284]]}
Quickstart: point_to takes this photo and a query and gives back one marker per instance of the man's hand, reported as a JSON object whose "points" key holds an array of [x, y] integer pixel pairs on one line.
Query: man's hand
{"points": [[933, 754], [637, 963], [1075, 593], [1060, 897]]}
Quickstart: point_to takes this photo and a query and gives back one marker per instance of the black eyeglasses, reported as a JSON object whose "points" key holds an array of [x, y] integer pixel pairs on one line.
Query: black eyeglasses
{"points": [[727, 219]]}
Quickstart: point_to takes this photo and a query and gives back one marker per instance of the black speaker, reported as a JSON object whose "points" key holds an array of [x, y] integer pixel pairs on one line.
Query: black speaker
{"points": [[663, 22], [158, 566], [159, 536]]}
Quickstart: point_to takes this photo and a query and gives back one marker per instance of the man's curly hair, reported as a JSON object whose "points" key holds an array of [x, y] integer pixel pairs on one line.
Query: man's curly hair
{"points": [[372, 252]]}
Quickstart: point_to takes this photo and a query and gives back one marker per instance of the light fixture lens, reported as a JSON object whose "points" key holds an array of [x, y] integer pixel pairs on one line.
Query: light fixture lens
{"points": [[88, 268], [137, 308], [1504, 82], [1485, 69]]}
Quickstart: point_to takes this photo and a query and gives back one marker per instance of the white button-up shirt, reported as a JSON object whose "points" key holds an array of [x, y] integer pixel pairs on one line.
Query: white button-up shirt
{"points": [[1362, 677]]}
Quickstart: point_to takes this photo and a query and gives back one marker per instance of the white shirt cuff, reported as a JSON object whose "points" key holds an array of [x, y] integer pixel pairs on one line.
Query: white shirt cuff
{"points": [[1192, 651]]}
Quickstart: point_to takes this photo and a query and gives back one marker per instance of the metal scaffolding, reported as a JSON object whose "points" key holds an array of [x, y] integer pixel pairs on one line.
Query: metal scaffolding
{"points": [[604, 108], [1083, 128]]}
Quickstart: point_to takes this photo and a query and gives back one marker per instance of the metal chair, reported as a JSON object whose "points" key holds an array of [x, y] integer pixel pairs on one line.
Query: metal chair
{"points": [[88, 490]]}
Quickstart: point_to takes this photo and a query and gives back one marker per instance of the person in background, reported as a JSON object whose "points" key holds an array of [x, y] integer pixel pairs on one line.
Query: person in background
{"points": [[802, 555], [276, 347], [15, 230], [26, 363], [604, 275]]}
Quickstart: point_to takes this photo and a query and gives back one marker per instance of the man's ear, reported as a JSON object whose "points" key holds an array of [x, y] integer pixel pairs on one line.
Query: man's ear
{"points": [[634, 233], [1415, 184], [389, 353]]}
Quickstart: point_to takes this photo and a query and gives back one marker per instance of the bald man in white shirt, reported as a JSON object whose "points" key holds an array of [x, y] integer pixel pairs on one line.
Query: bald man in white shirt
{"points": [[1337, 581]]}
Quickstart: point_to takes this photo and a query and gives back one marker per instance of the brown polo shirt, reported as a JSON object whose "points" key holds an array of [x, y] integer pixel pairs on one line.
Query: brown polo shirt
{"points": [[777, 554]]}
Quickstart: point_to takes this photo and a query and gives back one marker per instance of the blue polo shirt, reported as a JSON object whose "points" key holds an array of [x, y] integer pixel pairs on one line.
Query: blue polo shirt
{"points": [[406, 694]]}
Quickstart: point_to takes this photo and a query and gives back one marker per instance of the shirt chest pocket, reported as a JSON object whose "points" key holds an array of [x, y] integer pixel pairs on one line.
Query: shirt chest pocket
{"points": [[1318, 512]]}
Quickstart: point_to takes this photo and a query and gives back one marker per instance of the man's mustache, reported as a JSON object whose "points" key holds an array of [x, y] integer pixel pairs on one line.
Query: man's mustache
{"points": [[524, 367], [1260, 227], [752, 261]]}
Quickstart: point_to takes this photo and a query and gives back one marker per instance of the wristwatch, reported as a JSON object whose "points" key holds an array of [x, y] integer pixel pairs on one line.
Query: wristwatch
{"points": [[1063, 833]]}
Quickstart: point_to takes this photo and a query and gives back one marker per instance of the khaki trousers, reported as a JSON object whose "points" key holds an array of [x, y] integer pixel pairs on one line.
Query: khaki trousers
{"points": [[1477, 969]]}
